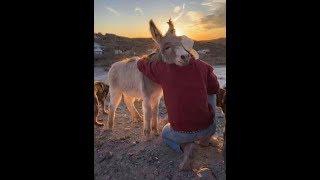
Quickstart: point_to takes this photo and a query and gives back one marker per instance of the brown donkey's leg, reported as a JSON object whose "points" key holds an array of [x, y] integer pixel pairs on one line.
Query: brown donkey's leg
{"points": [[115, 97], [97, 113]]}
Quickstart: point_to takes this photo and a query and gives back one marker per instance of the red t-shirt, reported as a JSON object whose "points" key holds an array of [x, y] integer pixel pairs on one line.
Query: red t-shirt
{"points": [[185, 90]]}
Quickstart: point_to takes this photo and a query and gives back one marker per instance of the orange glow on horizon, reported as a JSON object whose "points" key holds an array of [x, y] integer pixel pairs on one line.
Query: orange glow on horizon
{"points": [[196, 35]]}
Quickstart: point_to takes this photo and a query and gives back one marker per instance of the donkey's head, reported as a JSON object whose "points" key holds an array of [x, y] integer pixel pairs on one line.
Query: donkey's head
{"points": [[173, 49]]}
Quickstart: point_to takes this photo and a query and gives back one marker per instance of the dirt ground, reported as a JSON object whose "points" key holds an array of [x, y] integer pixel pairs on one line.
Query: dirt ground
{"points": [[124, 154]]}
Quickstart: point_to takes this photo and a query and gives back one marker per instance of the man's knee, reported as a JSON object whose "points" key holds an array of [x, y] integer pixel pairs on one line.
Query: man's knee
{"points": [[165, 131]]}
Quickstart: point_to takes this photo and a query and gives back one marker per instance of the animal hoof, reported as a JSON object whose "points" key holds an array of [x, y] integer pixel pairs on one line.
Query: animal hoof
{"points": [[146, 132], [98, 123], [136, 119], [147, 138], [110, 125], [155, 131], [104, 128]]}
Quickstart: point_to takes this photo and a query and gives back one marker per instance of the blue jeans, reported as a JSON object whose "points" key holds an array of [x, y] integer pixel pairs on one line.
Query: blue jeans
{"points": [[174, 139]]}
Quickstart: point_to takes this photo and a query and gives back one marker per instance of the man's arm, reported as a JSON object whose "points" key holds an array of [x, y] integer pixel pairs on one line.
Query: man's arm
{"points": [[212, 99], [212, 88], [212, 82], [151, 69]]}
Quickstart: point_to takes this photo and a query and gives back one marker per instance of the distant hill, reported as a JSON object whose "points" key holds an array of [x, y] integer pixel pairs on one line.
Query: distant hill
{"points": [[141, 46]]}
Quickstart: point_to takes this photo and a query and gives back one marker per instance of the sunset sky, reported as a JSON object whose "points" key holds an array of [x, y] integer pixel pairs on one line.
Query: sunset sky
{"points": [[198, 19]]}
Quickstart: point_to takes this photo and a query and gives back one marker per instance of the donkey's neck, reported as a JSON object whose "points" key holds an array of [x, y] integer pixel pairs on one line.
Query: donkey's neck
{"points": [[155, 56]]}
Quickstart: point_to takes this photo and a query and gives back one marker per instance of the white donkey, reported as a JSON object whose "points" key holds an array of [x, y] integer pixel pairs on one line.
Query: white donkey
{"points": [[125, 79]]}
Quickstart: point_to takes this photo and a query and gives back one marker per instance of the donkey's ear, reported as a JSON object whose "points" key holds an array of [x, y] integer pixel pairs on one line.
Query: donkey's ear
{"points": [[156, 34], [171, 29], [187, 42]]}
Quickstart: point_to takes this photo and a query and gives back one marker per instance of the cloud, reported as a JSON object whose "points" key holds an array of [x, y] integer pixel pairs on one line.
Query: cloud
{"points": [[180, 14], [192, 2], [217, 14], [216, 19], [177, 9], [194, 16], [210, 2], [213, 5], [138, 10], [113, 11], [178, 17]]}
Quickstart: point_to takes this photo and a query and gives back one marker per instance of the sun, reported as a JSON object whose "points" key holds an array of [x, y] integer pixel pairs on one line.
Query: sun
{"points": [[179, 32], [164, 27]]}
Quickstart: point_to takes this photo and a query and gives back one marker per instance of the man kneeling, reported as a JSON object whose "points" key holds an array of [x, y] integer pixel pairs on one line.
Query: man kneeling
{"points": [[190, 98]]}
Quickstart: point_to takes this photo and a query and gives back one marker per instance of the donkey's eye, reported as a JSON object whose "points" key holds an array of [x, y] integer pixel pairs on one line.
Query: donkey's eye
{"points": [[167, 48]]}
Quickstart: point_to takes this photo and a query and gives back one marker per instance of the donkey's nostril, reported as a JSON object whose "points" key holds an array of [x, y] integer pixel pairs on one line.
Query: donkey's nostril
{"points": [[183, 57]]}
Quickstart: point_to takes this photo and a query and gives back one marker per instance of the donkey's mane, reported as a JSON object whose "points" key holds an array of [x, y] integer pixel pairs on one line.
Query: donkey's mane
{"points": [[154, 56]]}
